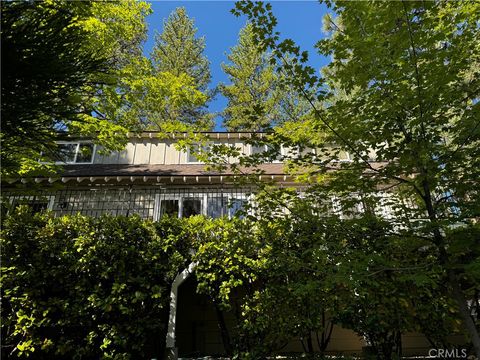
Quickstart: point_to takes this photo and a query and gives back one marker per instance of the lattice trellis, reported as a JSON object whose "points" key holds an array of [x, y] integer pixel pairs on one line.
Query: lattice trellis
{"points": [[147, 202]]}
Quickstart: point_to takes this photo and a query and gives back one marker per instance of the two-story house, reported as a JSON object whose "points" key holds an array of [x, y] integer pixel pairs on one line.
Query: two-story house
{"points": [[152, 177]]}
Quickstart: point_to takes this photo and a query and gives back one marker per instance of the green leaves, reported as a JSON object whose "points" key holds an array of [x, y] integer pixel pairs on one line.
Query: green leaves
{"points": [[401, 96], [258, 97], [251, 100], [81, 287], [62, 61]]}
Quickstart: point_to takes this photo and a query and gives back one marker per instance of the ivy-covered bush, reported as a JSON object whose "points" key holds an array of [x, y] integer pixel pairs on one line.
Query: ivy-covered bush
{"points": [[79, 287]]}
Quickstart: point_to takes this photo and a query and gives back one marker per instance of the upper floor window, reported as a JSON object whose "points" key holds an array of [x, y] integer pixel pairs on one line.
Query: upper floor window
{"points": [[192, 154], [75, 153], [194, 150], [275, 158], [257, 149]]}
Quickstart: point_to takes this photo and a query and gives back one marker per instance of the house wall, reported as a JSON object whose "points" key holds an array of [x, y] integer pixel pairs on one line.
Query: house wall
{"points": [[140, 151], [198, 332]]}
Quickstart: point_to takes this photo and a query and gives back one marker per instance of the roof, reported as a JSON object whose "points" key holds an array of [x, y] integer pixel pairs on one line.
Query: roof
{"points": [[177, 135], [159, 170]]}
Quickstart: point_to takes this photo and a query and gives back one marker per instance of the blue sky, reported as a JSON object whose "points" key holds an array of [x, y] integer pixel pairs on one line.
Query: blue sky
{"points": [[298, 20]]}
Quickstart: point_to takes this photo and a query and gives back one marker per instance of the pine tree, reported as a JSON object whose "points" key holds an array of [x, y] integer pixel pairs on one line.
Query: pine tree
{"points": [[178, 51], [251, 100], [258, 98]]}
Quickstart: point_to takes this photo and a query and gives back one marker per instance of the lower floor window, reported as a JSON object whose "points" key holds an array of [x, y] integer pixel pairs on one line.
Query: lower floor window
{"points": [[35, 203], [169, 207], [191, 207], [201, 204]]}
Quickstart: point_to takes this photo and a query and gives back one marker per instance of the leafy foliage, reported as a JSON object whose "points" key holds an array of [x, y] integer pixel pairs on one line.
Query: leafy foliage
{"points": [[79, 69], [251, 101], [148, 99], [58, 58], [40, 90], [291, 275], [401, 96], [78, 287]]}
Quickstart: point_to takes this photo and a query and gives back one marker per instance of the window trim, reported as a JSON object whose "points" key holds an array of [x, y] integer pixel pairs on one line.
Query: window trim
{"points": [[188, 157], [200, 196], [265, 149], [163, 197], [49, 198], [77, 149], [204, 148]]}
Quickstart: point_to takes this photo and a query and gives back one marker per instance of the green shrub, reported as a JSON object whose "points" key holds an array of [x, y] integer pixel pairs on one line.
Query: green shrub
{"points": [[79, 287]]}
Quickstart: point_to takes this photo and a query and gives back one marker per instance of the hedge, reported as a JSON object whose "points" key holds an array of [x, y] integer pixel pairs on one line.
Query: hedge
{"points": [[77, 287]]}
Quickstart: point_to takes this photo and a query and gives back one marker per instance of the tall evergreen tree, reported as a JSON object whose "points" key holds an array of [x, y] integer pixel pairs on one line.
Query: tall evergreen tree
{"points": [[178, 51], [258, 98], [251, 100]]}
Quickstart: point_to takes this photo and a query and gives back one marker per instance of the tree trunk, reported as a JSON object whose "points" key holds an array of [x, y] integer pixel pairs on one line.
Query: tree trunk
{"points": [[310, 343], [452, 278], [227, 345], [465, 313], [326, 334]]}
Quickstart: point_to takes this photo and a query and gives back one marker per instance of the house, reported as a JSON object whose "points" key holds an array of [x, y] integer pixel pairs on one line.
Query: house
{"points": [[153, 177]]}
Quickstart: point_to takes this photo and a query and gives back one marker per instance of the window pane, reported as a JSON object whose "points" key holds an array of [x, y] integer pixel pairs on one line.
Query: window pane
{"points": [[235, 206], [191, 207], [169, 207], [191, 154], [216, 206], [277, 155], [85, 153], [258, 149], [66, 152], [343, 155], [36, 205]]}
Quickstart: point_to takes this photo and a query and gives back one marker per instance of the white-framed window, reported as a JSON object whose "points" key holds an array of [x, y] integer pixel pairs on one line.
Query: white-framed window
{"points": [[260, 149], [184, 205], [257, 149], [345, 156], [192, 154], [36, 203], [75, 152], [209, 204], [194, 150], [225, 205]]}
